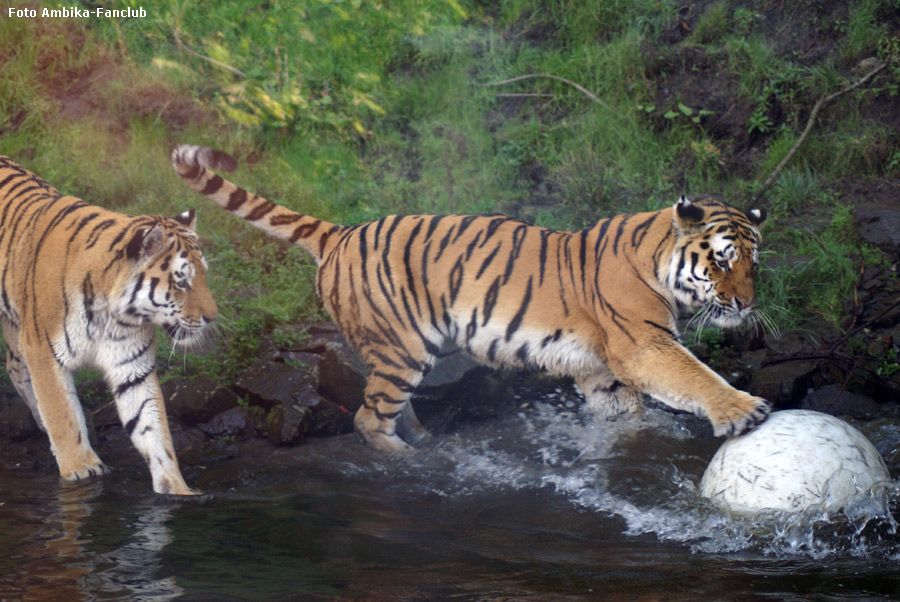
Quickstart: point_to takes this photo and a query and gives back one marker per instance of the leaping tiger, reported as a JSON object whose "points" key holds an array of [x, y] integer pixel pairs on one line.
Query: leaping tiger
{"points": [[599, 304], [81, 285]]}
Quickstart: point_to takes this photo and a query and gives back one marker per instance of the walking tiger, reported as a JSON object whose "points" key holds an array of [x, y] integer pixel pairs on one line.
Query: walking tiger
{"points": [[83, 286], [599, 304]]}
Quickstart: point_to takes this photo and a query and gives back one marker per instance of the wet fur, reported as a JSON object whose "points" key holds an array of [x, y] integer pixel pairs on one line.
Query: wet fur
{"points": [[599, 304]]}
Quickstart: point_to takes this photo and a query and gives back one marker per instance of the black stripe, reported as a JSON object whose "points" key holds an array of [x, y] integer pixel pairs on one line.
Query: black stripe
{"points": [[304, 230], [619, 231], [487, 260], [131, 424], [456, 279], [472, 326], [661, 327], [435, 220], [407, 251], [551, 338], [260, 211], [134, 382], [444, 242], [464, 224], [522, 353], [212, 185], [542, 256], [492, 351], [388, 237], [236, 199], [401, 383], [284, 219], [490, 299], [518, 240], [640, 231], [520, 314]]}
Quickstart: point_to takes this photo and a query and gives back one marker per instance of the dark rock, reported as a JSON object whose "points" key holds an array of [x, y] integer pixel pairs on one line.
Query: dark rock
{"points": [[239, 422], [741, 340], [287, 423], [878, 224], [783, 383], [322, 337], [328, 419], [342, 377], [884, 433], [832, 399], [194, 448], [106, 416], [449, 370], [16, 421], [197, 400], [300, 359], [785, 343], [187, 439], [269, 384]]}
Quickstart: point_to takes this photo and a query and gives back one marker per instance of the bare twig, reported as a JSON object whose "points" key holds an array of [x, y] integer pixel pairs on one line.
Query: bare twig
{"points": [[569, 82], [809, 123], [206, 58]]}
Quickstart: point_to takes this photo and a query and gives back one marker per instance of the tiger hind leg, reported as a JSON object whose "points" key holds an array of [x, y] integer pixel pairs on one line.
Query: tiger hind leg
{"points": [[63, 419], [18, 371], [608, 397], [410, 428], [386, 406]]}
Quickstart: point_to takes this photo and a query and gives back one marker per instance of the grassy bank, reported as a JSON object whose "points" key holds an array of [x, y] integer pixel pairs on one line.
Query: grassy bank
{"points": [[351, 110]]}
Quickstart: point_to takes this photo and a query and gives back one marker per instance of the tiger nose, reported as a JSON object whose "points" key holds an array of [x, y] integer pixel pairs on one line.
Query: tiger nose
{"points": [[743, 304]]}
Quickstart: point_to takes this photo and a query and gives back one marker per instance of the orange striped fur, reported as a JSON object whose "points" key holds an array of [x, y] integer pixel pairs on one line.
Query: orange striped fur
{"points": [[83, 286], [599, 304]]}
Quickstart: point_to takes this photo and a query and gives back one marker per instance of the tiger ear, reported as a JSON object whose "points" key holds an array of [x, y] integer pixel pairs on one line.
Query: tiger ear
{"points": [[757, 216], [145, 242], [687, 214], [188, 219]]}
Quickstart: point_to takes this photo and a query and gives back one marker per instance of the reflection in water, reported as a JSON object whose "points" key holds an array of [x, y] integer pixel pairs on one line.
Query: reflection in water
{"points": [[541, 503], [55, 563], [58, 559], [133, 567]]}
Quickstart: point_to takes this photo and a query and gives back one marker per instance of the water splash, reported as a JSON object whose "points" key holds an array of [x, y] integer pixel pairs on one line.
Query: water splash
{"points": [[644, 472]]}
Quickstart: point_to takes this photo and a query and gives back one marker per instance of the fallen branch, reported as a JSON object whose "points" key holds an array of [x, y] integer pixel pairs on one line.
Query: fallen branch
{"points": [[809, 123], [569, 82], [184, 47]]}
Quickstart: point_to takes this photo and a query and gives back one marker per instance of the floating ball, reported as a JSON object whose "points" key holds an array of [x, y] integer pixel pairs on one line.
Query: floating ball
{"points": [[791, 461]]}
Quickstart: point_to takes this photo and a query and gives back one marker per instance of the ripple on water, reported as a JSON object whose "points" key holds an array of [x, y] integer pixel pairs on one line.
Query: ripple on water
{"points": [[644, 473]]}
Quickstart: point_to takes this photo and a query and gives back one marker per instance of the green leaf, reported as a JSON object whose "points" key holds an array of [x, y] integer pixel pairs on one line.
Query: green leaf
{"points": [[688, 111]]}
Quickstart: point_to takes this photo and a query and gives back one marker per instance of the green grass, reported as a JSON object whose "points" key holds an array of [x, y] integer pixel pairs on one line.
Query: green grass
{"points": [[351, 110]]}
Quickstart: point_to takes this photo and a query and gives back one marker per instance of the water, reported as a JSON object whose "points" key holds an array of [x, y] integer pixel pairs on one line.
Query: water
{"points": [[538, 504]]}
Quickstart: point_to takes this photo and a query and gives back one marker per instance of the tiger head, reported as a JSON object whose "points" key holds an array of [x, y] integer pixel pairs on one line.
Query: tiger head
{"points": [[167, 284], [716, 259]]}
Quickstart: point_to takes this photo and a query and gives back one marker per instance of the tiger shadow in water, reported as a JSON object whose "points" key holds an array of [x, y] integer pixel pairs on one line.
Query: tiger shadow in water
{"points": [[599, 304]]}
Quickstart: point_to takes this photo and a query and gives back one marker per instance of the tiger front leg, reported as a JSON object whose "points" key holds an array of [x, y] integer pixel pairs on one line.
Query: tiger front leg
{"points": [[61, 416], [139, 402], [670, 373], [143, 414]]}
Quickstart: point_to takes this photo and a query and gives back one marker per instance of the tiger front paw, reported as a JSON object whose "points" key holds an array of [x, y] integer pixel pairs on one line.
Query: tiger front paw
{"points": [[84, 471], [741, 416]]}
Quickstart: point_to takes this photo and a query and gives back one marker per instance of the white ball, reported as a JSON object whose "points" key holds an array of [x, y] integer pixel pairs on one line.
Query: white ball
{"points": [[794, 459]]}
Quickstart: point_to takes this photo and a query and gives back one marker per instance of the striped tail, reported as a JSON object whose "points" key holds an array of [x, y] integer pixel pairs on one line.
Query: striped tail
{"points": [[193, 164]]}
